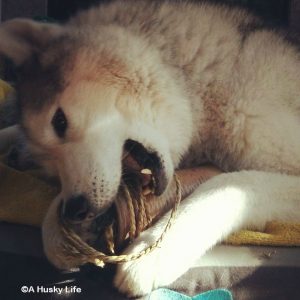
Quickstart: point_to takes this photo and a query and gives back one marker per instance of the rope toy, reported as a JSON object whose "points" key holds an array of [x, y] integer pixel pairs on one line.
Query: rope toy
{"points": [[75, 248]]}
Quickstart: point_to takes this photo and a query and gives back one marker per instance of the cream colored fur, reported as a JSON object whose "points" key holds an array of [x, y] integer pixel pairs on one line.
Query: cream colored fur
{"points": [[186, 80]]}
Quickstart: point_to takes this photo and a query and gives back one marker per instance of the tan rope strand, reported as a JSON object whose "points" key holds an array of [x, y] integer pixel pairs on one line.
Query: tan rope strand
{"points": [[134, 256], [129, 201], [142, 219], [109, 236], [147, 213], [77, 248]]}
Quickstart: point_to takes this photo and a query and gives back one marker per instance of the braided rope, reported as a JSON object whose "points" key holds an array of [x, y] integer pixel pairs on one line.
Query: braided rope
{"points": [[74, 248]]}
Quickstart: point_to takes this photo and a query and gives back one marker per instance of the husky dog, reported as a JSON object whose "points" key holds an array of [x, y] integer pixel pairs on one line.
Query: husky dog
{"points": [[174, 84]]}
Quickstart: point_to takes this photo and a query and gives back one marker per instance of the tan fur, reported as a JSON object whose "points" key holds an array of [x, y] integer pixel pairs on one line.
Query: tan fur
{"points": [[197, 83]]}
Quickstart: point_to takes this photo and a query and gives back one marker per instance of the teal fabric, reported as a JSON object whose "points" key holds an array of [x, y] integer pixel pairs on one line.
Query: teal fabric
{"points": [[166, 294]]}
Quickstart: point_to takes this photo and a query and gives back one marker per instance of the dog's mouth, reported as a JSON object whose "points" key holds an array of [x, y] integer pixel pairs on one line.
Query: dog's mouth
{"points": [[142, 172], [143, 169]]}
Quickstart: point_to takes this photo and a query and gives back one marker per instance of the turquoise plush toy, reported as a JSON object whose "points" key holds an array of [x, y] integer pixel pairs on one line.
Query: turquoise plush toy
{"points": [[166, 294]]}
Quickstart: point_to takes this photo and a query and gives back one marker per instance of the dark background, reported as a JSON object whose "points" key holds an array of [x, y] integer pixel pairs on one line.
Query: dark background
{"points": [[281, 12], [275, 10]]}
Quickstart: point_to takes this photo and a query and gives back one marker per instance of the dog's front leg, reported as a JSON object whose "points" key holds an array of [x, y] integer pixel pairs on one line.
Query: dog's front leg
{"points": [[220, 206]]}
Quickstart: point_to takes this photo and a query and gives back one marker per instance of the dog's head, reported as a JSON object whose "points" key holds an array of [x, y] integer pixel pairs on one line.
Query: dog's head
{"points": [[89, 100]]}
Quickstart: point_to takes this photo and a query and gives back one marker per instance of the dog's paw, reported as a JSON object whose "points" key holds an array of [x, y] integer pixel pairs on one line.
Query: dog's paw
{"points": [[19, 158], [139, 277]]}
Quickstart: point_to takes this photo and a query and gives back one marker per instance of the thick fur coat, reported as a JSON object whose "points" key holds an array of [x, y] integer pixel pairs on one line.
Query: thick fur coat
{"points": [[192, 83]]}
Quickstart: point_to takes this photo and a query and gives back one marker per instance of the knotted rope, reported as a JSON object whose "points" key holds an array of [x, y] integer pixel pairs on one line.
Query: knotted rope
{"points": [[75, 248]]}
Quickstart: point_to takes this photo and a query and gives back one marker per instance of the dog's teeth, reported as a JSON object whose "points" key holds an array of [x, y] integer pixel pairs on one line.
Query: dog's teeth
{"points": [[146, 171]]}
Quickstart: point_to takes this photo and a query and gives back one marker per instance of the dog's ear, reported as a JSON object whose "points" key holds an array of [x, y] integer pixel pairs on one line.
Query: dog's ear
{"points": [[20, 38]]}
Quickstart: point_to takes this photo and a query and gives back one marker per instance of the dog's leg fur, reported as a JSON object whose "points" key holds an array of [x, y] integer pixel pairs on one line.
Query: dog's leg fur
{"points": [[224, 204]]}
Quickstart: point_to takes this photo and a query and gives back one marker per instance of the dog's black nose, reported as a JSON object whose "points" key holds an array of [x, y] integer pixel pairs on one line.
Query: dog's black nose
{"points": [[76, 209]]}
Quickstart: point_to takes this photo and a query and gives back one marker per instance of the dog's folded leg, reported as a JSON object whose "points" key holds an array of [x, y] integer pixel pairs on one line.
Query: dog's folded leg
{"points": [[219, 207], [13, 144]]}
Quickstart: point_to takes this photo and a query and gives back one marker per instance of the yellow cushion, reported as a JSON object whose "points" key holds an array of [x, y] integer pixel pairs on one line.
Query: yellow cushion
{"points": [[5, 88]]}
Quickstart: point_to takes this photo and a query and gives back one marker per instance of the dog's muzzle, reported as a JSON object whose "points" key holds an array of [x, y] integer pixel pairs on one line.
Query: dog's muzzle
{"points": [[142, 170]]}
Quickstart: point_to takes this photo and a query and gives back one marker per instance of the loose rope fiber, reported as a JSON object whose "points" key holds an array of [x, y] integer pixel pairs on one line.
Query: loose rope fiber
{"points": [[75, 248]]}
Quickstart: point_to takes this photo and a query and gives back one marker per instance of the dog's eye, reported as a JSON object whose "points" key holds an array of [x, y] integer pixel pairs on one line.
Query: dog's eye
{"points": [[59, 123]]}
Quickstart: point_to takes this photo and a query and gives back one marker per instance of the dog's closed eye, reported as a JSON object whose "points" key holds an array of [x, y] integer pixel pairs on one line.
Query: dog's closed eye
{"points": [[59, 123]]}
